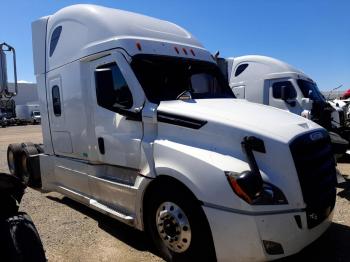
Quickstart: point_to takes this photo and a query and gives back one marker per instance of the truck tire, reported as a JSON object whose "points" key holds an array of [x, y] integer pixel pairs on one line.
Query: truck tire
{"points": [[25, 144], [339, 144], [11, 193], [40, 148], [14, 152], [178, 226], [19, 239], [27, 175]]}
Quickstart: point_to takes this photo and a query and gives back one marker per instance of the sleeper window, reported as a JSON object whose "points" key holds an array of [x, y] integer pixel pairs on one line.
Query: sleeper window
{"points": [[112, 91], [54, 39], [240, 69]]}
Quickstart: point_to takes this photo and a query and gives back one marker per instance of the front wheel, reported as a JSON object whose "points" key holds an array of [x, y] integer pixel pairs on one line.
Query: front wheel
{"points": [[178, 227]]}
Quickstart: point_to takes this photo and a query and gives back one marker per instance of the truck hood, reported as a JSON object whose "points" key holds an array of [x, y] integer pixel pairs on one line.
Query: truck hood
{"points": [[242, 115], [209, 133]]}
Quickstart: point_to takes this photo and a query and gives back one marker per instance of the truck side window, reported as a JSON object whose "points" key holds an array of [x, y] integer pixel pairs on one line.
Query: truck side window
{"points": [[240, 69], [56, 101], [277, 89], [112, 91], [54, 39]]}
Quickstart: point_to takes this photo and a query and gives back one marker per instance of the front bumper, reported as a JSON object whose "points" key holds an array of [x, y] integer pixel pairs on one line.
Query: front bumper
{"points": [[239, 237]]}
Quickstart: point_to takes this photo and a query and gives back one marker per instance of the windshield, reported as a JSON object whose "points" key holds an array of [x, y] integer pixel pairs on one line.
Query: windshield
{"points": [[36, 113], [310, 90], [166, 78]]}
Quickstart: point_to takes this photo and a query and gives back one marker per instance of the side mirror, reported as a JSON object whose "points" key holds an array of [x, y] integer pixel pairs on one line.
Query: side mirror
{"points": [[3, 72], [287, 95], [4, 90]]}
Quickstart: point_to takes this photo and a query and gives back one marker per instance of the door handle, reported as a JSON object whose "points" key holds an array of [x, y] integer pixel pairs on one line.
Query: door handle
{"points": [[101, 145]]}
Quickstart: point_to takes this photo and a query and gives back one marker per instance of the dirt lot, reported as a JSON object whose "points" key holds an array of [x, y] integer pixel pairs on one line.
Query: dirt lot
{"points": [[73, 232]]}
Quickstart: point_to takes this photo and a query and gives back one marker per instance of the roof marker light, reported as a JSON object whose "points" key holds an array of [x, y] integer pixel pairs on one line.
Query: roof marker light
{"points": [[177, 50], [138, 45], [185, 51], [192, 52]]}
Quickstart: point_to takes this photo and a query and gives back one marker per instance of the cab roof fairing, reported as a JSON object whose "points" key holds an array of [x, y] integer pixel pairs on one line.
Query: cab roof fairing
{"points": [[89, 29], [273, 66]]}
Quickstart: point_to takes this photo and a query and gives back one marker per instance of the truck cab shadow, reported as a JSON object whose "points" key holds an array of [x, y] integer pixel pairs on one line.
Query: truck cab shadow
{"points": [[119, 230], [345, 186], [333, 245], [345, 159]]}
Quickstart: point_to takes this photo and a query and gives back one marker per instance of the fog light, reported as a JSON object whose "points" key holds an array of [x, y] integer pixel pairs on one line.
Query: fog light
{"points": [[273, 248]]}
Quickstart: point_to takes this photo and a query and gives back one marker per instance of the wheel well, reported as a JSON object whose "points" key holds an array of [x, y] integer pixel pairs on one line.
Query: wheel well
{"points": [[164, 181]]}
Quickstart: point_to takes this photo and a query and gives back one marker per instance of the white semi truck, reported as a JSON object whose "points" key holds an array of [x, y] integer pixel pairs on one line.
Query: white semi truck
{"points": [[139, 124], [269, 81]]}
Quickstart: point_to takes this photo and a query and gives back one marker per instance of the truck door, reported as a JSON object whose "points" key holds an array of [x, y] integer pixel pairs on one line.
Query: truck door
{"points": [[274, 90], [116, 104], [61, 139]]}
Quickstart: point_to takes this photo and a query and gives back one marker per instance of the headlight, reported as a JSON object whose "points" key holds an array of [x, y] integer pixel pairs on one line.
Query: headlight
{"points": [[251, 189], [271, 195]]}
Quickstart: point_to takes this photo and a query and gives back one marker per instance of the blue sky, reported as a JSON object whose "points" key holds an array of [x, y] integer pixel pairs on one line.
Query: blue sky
{"points": [[312, 35]]}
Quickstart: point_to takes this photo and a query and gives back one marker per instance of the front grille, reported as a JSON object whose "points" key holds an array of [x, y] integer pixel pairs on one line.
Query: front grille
{"points": [[314, 162]]}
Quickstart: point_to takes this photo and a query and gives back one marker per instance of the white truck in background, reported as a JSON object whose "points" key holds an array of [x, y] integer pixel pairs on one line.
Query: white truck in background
{"points": [[29, 113], [139, 123], [36, 117], [269, 81]]}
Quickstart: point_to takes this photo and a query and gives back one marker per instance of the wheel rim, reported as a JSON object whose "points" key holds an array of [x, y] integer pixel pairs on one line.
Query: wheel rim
{"points": [[11, 162], [173, 227]]}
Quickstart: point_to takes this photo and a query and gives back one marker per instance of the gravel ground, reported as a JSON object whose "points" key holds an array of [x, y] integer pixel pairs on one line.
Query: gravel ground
{"points": [[73, 232], [70, 231]]}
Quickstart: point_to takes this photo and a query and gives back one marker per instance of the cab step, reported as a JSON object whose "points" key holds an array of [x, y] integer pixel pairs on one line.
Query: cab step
{"points": [[111, 212]]}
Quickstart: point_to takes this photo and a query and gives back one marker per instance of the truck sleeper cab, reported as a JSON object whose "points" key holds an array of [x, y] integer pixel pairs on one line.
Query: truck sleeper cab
{"points": [[138, 123]]}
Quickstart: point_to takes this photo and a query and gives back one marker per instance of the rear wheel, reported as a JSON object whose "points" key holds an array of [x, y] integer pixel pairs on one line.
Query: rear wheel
{"points": [[39, 148], [178, 226], [14, 152], [27, 176]]}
